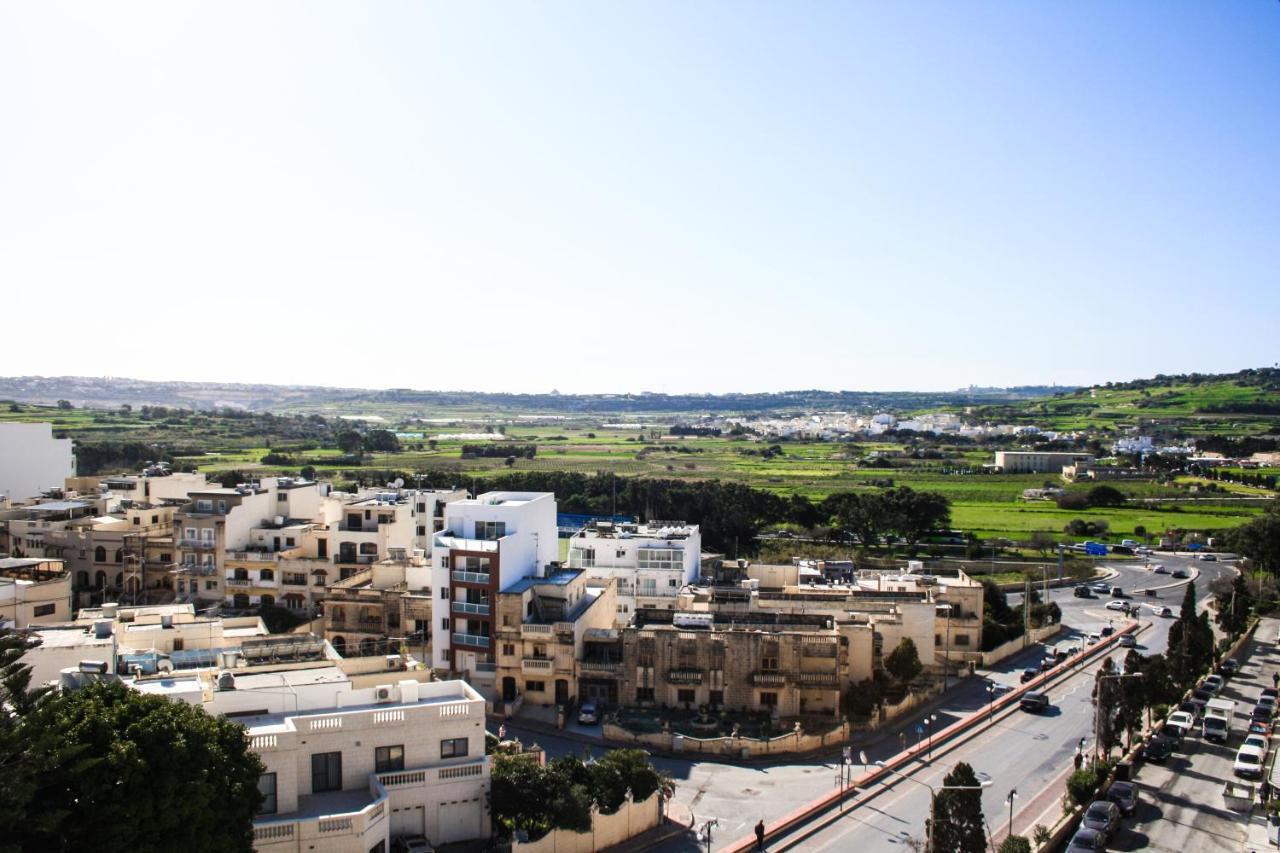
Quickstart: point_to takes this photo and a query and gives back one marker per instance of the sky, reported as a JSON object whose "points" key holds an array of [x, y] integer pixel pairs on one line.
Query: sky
{"points": [[649, 196]]}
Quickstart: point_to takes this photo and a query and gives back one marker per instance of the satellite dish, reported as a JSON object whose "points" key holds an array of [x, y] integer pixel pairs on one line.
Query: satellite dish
{"points": [[399, 483]]}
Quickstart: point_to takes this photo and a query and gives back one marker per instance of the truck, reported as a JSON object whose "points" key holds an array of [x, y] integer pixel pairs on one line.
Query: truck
{"points": [[1218, 717]]}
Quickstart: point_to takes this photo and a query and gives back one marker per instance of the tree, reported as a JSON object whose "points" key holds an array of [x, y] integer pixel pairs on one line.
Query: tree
{"points": [[1106, 707], [1259, 540], [1132, 696], [65, 404], [1015, 844], [1234, 607], [903, 663], [350, 441], [862, 699], [957, 824], [1105, 496], [1044, 542], [381, 440], [863, 515]]}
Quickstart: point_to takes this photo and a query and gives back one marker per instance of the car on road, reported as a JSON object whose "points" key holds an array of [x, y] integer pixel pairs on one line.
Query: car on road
{"points": [[1124, 795], [1034, 702], [1258, 727], [1108, 630], [1117, 592], [1086, 840], [1094, 637], [1249, 760], [1082, 592], [1127, 641], [1029, 673], [1116, 604], [1208, 558], [1212, 683], [1161, 610], [1177, 573], [1103, 588], [1159, 748], [589, 713], [1268, 701], [1159, 569], [1259, 741], [1200, 697], [1179, 723], [1102, 815], [1229, 667], [1216, 729]]}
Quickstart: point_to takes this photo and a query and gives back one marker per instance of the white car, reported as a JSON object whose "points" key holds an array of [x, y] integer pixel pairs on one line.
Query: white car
{"points": [[1180, 723], [1256, 740], [1094, 637], [1249, 760], [1117, 604]]}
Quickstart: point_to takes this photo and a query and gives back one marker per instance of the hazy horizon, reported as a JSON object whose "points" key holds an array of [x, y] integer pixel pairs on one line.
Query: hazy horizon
{"points": [[668, 197]]}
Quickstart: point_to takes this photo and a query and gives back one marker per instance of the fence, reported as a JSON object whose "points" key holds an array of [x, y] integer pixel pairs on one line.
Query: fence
{"points": [[794, 741], [606, 830]]}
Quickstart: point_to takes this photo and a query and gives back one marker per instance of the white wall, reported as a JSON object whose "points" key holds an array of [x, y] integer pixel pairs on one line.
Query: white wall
{"points": [[31, 459]]}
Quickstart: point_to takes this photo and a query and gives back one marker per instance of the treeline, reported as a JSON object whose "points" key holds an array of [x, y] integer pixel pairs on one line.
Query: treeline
{"points": [[705, 432], [105, 456], [1237, 447], [498, 450]]}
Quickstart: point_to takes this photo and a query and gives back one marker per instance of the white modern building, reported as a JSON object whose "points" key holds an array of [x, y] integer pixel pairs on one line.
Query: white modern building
{"points": [[32, 460], [651, 562], [486, 544]]}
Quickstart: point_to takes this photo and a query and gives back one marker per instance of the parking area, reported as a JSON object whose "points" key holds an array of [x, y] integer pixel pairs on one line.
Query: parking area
{"points": [[1181, 805]]}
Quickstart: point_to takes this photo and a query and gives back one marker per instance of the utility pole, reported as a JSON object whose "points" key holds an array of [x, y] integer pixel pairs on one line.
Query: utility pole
{"points": [[1013, 795]]}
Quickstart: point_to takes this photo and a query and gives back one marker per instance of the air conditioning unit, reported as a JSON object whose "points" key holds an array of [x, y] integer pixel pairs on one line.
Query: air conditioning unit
{"points": [[382, 694]]}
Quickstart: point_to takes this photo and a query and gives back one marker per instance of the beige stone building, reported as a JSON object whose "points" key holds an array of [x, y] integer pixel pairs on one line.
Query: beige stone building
{"points": [[33, 591], [381, 609]]}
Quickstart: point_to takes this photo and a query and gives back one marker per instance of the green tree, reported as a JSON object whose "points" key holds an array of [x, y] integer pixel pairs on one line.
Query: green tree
{"points": [[620, 772], [1259, 540], [186, 780], [862, 515], [903, 663], [1133, 696], [350, 441], [1015, 844], [381, 440], [957, 824], [1105, 496], [1235, 607], [1106, 707]]}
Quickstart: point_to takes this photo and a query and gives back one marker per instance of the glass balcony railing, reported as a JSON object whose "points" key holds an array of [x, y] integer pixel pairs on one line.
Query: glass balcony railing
{"points": [[472, 577], [469, 608], [473, 641]]}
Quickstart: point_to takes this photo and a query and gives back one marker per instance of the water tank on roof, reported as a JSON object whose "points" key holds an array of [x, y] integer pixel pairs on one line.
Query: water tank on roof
{"points": [[109, 610], [226, 681], [166, 620], [102, 628]]}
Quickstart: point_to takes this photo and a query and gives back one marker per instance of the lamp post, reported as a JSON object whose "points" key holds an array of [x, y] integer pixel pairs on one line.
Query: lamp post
{"points": [[931, 721], [991, 700], [846, 771], [1013, 795], [933, 794]]}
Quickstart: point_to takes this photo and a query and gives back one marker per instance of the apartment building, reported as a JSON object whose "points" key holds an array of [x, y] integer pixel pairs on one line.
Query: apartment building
{"points": [[545, 627], [125, 556], [368, 525], [155, 485], [350, 767], [27, 527], [428, 512], [650, 561], [281, 566], [486, 544], [213, 522], [381, 609], [32, 460], [33, 591]]}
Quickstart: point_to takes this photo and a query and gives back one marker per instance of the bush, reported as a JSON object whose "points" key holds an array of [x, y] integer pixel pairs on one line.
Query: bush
{"points": [[1083, 783], [1015, 844]]}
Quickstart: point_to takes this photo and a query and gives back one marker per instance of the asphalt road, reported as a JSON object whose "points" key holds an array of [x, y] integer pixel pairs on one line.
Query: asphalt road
{"points": [[1022, 751]]}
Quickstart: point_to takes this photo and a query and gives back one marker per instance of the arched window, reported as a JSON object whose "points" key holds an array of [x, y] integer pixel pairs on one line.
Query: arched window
{"points": [[266, 575], [338, 616], [340, 646], [100, 580], [240, 601], [268, 601], [240, 574], [119, 580], [100, 554], [119, 555], [82, 579]]}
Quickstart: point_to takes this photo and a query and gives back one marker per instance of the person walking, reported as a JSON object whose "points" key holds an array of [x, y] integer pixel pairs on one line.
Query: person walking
{"points": [[760, 835]]}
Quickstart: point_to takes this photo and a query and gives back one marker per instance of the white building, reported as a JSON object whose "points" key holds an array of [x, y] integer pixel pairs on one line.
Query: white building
{"points": [[32, 460], [486, 544], [652, 562]]}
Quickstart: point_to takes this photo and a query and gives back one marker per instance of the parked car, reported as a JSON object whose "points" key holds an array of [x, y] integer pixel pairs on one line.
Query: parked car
{"points": [[1229, 667], [1124, 795], [1263, 713], [1102, 815], [1212, 683], [1249, 760], [1267, 701], [589, 713], [1159, 748], [1107, 630], [1190, 707], [1178, 573], [1269, 693], [1179, 723], [1029, 673], [412, 844], [1200, 697], [1258, 727], [1126, 641], [1259, 741], [1117, 605], [1034, 702], [1094, 637], [1086, 840], [1159, 569]]}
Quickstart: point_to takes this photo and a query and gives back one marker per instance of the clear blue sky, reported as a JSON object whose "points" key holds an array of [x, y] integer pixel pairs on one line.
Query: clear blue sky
{"points": [[685, 196]]}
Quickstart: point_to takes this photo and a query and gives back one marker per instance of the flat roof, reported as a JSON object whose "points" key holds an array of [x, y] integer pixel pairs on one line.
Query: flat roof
{"points": [[560, 578], [58, 506]]}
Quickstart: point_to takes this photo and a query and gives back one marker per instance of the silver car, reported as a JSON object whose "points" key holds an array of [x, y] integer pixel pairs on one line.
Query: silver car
{"points": [[1102, 815]]}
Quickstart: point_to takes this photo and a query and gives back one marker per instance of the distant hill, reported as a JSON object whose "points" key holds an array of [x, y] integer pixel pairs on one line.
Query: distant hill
{"points": [[1246, 402], [112, 392]]}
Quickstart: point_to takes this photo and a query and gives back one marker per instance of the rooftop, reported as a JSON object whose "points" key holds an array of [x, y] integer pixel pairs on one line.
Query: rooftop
{"points": [[560, 578]]}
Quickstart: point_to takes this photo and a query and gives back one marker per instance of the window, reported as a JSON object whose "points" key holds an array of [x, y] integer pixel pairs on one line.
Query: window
{"points": [[491, 529], [444, 593], [686, 696], [191, 534], [444, 562], [368, 548], [962, 639], [44, 609], [388, 758], [206, 534], [453, 747], [222, 507], [937, 639], [535, 686], [769, 700], [210, 584], [289, 541], [422, 530], [100, 554], [444, 624], [267, 575], [769, 664], [155, 519], [509, 649], [644, 694], [322, 549], [673, 582], [178, 644], [204, 506], [660, 558], [326, 772], [267, 787], [717, 697], [137, 521]]}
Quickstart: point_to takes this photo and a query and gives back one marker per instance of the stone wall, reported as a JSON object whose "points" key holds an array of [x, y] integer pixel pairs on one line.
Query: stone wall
{"points": [[607, 830], [731, 747]]}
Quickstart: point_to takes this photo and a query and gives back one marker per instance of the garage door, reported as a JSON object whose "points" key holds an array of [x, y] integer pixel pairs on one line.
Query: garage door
{"points": [[407, 821], [459, 821]]}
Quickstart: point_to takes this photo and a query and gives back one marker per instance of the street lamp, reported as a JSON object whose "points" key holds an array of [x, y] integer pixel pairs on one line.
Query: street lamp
{"points": [[991, 699], [931, 721], [846, 772], [933, 794], [1013, 795]]}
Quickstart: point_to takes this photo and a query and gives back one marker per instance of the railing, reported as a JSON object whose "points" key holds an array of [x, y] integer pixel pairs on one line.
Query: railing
{"points": [[195, 569], [258, 743], [197, 544], [816, 679], [563, 627], [611, 667], [536, 664], [239, 582], [468, 607], [356, 559], [769, 679], [477, 641], [486, 666], [396, 780], [818, 650], [462, 771], [472, 577], [684, 676], [367, 625], [539, 630]]}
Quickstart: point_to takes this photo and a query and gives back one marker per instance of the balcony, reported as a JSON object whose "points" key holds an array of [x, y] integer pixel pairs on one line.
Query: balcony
{"points": [[457, 543], [195, 569], [818, 650], [600, 667], [535, 630], [537, 666], [338, 820], [816, 679], [769, 679], [470, 609], [471, 641], [239, 581], [355, 559], [197, 544], [479, 578], [684, 676]]}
